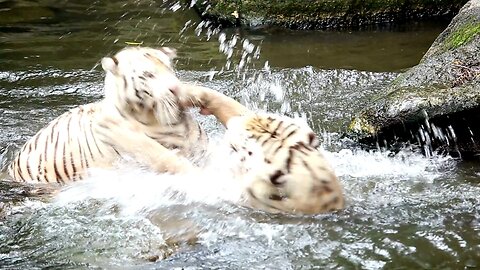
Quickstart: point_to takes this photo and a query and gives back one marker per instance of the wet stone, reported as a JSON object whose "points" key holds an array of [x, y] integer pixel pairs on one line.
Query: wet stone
{"points": [[320, 14], [435, 104]]}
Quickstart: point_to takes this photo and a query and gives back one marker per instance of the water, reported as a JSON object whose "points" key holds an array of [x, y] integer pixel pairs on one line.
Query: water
{"points": [[404, 210]]}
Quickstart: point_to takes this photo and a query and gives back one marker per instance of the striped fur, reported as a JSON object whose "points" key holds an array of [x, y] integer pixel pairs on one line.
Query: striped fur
{"points": [[276, 158], [284, 170], [139, 117]]}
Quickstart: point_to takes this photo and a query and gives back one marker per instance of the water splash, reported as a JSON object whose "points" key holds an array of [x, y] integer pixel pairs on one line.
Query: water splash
{"points": [[128, 189], [129, 214]]}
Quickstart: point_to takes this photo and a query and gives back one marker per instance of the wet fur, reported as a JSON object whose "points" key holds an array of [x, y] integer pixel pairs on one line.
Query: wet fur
{"points": [[140, 118], [277, 158]]}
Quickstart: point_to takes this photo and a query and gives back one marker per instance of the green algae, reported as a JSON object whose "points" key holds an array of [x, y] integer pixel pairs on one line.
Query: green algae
{"points": [[463, 35], [322, 13]]}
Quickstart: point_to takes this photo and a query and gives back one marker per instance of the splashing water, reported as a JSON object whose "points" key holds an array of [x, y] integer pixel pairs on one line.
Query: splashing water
{"points": [[125, 217]]}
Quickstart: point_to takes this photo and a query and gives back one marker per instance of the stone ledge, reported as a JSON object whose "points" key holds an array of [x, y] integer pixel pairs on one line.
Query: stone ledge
{"points": [[322, 14]]}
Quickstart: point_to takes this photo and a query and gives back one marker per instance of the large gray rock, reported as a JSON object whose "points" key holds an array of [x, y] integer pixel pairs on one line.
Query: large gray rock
{"points": [[437, 102], [321, 13]]}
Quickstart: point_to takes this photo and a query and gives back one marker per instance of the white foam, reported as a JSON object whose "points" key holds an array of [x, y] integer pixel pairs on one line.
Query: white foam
{"points": [[405, 164], [139, 191]]}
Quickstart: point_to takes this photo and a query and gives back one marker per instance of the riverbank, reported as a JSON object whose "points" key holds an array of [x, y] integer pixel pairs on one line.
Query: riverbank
{"points": [[319, 14]]}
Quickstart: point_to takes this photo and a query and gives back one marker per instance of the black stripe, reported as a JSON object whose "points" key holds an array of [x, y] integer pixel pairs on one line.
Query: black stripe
{"points": [[45, 172], [95, 141], [276, 197], [302, 148], [166, 134], [64, 158], [40, 163], [57, 173], [201, 133], [280, 146], [120, 112], [81, 152], [24, 147], [88, 147], [311, 138], [115, 60], [72, 161], [136, 119], [36, 140], [250, 192], [310, 169], [327, 189], [148, 74], [125, 83], [290, 134], [113, 147], [182, 118], [52, 130], [275, 131], [29, 171], [85, 157], [19, 169], [289, 159], [74, 172], [147, 93], [137, 93], [274, 177], [115, 150], [264, 142]]}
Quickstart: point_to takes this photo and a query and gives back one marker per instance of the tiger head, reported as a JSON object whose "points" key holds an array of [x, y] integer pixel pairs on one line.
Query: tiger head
{"points": [[141, 82], [284, 170]]}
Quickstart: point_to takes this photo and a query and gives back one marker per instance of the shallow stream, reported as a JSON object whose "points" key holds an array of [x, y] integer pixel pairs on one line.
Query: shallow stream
{"points": [[404, 210]]}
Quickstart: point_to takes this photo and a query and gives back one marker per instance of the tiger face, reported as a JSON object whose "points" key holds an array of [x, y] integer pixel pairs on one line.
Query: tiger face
{"points": [[282, 168], [141, 82]]}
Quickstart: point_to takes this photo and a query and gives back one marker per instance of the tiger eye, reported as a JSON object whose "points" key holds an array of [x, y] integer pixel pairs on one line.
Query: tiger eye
{"points": [[148, 74]]}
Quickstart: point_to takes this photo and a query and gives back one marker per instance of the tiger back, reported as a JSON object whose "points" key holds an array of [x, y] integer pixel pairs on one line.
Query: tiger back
{"points": [[139, 117]]}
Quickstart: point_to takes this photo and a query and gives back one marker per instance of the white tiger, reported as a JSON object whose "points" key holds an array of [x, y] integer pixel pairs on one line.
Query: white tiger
{"points": [[277, 157], [140, 111]]}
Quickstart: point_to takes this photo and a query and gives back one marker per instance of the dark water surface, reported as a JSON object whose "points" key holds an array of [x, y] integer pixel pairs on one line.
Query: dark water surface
{"points": [[404, 211]]}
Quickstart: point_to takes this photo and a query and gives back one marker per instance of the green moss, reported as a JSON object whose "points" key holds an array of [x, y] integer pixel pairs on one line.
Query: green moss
{"points": [[321, 13], [462, 35], [360, 126]]}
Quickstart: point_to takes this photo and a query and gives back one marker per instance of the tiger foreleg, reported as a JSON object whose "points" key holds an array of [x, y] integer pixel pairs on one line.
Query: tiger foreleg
{"points": [[127, 139], [212, 102]]}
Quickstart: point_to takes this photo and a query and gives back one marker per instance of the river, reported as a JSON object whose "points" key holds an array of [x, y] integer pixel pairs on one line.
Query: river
{"points": [[404, 210]]}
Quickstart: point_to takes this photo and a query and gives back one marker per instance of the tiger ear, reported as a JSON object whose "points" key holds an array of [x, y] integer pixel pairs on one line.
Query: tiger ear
{"points": [[170, 52], [109, 64]]}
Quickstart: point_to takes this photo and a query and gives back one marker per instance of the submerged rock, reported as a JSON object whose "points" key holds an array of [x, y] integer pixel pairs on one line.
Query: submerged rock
{"points": [[436, 103], [321, 13]]}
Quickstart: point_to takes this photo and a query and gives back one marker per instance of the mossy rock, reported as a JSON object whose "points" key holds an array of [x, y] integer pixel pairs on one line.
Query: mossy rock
{"points": [[321, 14], [434, 104]]}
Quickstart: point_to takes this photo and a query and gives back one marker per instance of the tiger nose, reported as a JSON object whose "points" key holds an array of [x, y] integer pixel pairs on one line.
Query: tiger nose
{"points": [[174, 89]]}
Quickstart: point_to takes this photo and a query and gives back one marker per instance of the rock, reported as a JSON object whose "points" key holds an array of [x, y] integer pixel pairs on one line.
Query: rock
{"points": [[435, 104], [12, 12], [321, 13]]}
